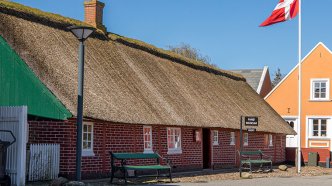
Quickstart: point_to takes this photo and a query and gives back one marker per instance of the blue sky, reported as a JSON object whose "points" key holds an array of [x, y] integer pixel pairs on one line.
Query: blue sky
{"points": [[227, 31]]}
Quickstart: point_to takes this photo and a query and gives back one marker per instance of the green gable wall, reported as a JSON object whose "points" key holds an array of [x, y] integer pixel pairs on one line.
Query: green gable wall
{"points": [[20, 86]]}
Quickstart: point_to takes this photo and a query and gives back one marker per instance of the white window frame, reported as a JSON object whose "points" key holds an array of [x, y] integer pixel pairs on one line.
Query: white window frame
{"points": [[215, 137], [319, 127], [232, 138], [312, 89], [270, 140], [87, 152], [147, 150], [177, 150], [245, 139]]}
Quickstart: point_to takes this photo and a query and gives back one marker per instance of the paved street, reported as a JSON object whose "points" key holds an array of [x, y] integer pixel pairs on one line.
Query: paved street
{"points": [[290, 181]]}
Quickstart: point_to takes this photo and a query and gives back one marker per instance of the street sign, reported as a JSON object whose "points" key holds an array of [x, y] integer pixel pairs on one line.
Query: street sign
{"points": [[251, 121], [251, 129]]}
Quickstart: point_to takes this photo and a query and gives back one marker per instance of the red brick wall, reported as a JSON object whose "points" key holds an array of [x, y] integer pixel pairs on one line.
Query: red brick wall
{"points": [[129, 138], [224, 153], [259, 141]]}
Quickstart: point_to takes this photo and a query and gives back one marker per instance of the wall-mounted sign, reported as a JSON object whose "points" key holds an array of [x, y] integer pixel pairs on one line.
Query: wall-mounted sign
{"points": [[251, 121], [251, 129]]}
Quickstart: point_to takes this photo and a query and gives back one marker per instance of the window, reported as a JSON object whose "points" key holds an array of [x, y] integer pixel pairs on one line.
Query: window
{"points": [[320, 89], [87, 142], [147, 135], [232, 138], [318, 127], [245, 139], [174, 140], [215, 137], [270, 140]]}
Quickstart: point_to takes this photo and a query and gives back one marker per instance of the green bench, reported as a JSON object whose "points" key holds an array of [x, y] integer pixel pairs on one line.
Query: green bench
{"points": [[248, 158], [124, 167]]}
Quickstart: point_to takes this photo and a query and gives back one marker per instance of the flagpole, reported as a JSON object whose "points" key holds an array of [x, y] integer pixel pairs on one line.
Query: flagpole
{"points": [[300, 90]]}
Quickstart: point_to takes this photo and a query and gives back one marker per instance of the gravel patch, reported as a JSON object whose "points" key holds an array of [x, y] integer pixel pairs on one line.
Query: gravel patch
{"points": [[213, 176]]}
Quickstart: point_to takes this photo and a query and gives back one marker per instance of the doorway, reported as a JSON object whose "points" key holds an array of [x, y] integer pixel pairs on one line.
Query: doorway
{"points": [[291, 140], [206, 148]]}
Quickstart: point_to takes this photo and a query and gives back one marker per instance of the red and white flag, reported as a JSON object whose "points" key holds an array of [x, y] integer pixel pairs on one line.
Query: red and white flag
{"points": [[285, 10]]}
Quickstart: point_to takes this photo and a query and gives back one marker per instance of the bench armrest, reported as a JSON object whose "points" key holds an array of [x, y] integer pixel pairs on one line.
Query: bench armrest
{"points": [[266, 156], [165, 159], [168, 161]]}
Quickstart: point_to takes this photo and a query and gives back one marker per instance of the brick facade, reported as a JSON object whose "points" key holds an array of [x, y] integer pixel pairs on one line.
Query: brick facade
{"points": [[129, 138]]}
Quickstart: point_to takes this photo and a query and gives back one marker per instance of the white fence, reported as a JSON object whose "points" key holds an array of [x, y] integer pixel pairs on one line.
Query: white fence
{"points": [[44, 161], [14, 119]]}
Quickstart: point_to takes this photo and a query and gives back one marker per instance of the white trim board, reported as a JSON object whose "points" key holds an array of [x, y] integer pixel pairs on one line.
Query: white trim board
{"points": [[261, 81]]}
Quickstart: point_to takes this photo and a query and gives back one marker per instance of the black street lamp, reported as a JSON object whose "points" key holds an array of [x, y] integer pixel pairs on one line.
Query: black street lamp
{"points": [[81, 33]]}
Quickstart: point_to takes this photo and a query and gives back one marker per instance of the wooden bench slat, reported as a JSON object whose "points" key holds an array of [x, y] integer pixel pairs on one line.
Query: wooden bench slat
{"points": [[146, 167], [135, 156]]}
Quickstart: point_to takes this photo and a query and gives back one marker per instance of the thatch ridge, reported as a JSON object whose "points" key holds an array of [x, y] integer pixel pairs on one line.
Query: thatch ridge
{"points": [[61, 22], [174, 57]]}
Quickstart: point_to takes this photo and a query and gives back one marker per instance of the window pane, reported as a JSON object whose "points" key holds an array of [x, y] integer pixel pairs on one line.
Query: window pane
{"points": [[291, 124], [85, 128], [323, 85], [316, 95], [323, 121], [316, 84], [323, 95], [89, 137], [315, 133]]}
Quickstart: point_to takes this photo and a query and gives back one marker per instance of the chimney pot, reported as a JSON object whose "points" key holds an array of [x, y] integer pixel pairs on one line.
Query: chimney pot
{"points": [[93, 10]]}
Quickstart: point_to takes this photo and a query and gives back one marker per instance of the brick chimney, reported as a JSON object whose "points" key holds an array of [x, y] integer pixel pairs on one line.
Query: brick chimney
{"points": [[94, 13]]}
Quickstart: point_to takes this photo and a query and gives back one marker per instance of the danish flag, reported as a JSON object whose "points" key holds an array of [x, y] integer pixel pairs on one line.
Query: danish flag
{"points": [[285, 10]]}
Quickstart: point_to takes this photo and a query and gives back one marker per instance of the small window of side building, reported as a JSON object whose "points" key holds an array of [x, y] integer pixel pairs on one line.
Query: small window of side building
{"points": [[87, 139], [215, 137], [174, 140], [270, 140], [147, 139], [245, 139], [232, 138]]}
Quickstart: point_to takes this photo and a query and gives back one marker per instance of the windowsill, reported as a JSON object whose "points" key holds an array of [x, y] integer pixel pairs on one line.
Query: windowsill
{"points": [[88, 153], [174, 151], [148, 151], [232, 144], [245, 144], [215, 144], [320, 100], [319, 138]]}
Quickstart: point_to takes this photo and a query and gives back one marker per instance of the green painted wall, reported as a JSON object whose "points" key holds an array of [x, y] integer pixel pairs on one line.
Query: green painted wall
{"points": [[20, 86]]}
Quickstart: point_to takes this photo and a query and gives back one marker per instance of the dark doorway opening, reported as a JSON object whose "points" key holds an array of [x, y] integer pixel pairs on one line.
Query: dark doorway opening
{"points": [[206, 148]]}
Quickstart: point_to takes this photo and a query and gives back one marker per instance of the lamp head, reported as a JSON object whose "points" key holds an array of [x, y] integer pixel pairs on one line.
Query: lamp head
{"points": [[81, 32]]}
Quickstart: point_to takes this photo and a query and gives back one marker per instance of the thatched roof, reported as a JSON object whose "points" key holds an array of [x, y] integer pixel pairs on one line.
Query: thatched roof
{"points": [[129, 81]]}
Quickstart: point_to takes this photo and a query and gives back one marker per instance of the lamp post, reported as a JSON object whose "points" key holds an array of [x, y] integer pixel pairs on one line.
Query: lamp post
{"points": [[81, 33]]}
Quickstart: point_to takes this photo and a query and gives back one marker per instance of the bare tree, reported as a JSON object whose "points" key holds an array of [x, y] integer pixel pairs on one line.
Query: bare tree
{"points": [[188, 51]]}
